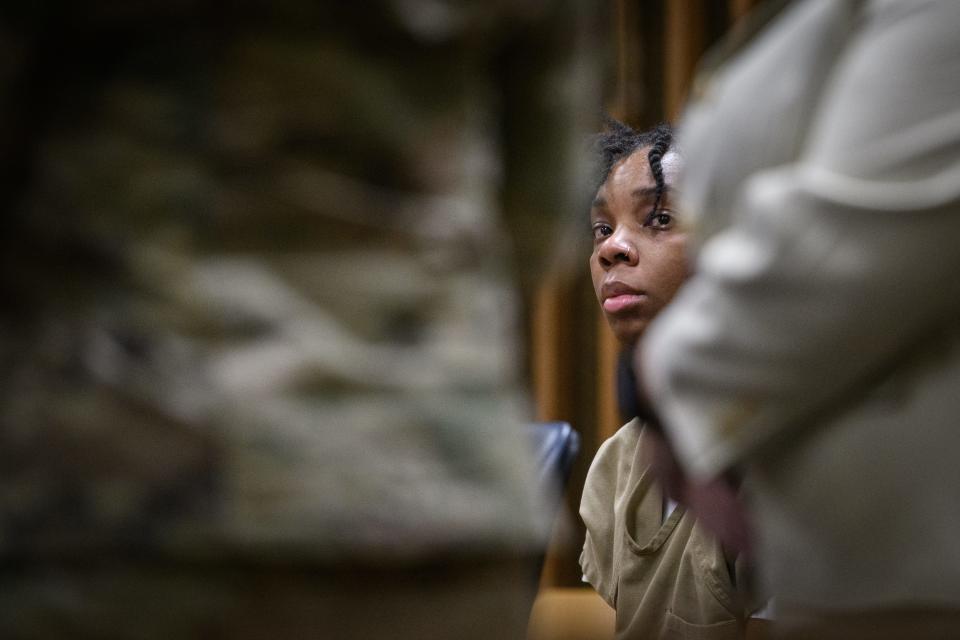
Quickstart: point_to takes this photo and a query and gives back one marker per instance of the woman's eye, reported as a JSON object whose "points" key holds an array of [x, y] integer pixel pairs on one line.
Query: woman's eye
{"points": [[660, 220], [601, 231]]}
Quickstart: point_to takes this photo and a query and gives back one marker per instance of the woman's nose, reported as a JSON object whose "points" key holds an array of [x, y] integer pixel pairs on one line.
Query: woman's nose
{"points": [[618, 248]]}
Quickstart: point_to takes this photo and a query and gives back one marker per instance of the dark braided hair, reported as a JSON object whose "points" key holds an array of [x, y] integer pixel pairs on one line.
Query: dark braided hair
{"points": [[620, 141]]}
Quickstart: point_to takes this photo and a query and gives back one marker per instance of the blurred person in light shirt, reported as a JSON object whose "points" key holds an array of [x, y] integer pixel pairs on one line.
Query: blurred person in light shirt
{"points": [[815, 352]]}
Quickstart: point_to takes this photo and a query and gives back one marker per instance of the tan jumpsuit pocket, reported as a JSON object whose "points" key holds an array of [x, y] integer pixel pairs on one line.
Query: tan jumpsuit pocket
{"points": [[676, 628]]}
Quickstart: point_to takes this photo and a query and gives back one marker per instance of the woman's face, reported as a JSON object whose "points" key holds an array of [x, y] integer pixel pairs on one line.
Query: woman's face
{"points": [[638, 259]]}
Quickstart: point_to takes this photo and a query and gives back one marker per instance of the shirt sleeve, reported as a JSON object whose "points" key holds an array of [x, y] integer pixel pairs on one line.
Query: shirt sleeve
{"points": [[833, 267], [609, 480], [597, 513]]}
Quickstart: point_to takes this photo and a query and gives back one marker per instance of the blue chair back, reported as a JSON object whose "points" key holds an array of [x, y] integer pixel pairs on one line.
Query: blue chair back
{"points": [[555, 445]]}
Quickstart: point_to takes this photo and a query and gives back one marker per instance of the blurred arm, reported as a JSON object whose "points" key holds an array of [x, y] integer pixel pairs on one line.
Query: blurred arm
{"points": [[833, 267]]}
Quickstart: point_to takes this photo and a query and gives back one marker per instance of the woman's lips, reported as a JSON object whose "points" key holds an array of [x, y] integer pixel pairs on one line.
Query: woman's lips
{"points": [[615, 304]]}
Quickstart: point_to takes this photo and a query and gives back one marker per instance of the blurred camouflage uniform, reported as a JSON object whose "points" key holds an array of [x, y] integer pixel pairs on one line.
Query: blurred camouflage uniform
{"points": [[259, 341]]}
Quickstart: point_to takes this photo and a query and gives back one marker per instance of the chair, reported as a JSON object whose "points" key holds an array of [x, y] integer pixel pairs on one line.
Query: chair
{"points": [[555, 447]]}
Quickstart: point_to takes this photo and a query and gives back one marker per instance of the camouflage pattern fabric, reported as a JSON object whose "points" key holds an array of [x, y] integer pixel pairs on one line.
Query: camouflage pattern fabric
{"points": [[260, 278]]}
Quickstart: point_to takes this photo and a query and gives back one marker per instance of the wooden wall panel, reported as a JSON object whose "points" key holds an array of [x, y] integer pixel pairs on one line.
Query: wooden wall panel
{"points": [[684, 44]]}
